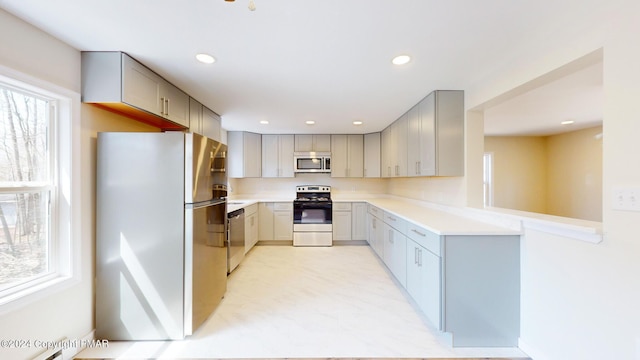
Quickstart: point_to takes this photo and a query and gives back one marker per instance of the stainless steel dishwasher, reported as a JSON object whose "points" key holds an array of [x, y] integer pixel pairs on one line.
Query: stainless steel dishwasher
{"points": [[235, 239]]}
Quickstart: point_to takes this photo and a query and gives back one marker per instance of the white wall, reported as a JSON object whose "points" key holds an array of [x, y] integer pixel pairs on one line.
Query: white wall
{"points": [[69, 313], [580, 300]]}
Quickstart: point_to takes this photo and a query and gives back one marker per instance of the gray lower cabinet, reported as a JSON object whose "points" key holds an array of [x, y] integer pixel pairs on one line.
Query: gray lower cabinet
{"points": [[394, 253], [466, 285], [424, 281], [250, 227], [358, 221], [375, 236], [275, 221], [341, 221], [481, 290]]}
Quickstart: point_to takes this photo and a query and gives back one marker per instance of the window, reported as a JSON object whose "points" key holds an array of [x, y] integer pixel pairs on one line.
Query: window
{"points": [[487, 165], [36, 228]]}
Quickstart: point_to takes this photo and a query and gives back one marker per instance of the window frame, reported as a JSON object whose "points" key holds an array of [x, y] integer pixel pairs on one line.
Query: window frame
{"points": [[64, 220]]}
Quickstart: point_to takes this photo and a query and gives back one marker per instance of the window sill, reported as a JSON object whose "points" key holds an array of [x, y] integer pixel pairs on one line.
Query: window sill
{"points": [[36, 292]]}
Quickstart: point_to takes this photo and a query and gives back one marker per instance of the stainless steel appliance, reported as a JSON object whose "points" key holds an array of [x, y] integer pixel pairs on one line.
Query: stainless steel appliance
{"points": [[312, 216], [235, 239], [161, 256], [312, 162]]}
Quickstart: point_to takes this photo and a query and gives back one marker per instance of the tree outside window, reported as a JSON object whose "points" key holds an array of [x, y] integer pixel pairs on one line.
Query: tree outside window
{"points": [[26, 186]]}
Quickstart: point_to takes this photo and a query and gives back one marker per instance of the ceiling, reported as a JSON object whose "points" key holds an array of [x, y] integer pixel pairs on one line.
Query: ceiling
{"points": [[576, 97], [292, 61]]}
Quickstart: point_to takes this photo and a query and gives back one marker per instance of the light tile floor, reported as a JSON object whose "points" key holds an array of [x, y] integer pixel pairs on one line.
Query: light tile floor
{"points": [[285, 302]]}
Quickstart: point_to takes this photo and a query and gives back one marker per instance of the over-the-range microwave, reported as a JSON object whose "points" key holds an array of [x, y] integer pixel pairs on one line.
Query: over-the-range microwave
{"points": [[312, 162]]}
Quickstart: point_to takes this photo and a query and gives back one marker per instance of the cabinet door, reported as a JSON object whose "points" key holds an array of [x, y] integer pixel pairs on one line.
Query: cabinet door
{"points": [[427, 147], [341, 225], [176, 107], [414, 140], [322, 142], [430, 268], [399, 137], [141, 86], [355, 153], [250, 224], [270, 156], [286, 146], [283, 225], [339, 163], [252, 148], [386, 152], [210, 124], [195, 116], [265, 221], [395, 254], [423, 281], [303, 142], [358, 221], [372, 155]]}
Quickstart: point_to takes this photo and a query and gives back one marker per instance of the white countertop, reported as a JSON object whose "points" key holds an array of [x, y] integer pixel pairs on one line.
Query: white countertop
{"points": [[435, 220]]}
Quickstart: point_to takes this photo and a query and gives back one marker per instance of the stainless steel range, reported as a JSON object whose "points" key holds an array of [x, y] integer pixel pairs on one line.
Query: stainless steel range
{"points": [[312, 216]]}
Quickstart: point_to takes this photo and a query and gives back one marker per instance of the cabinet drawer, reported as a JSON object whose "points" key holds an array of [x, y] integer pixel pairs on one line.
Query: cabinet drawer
{"points": [[396, 222], [341, 206], [375, 211], [282, 206], [424, 238], [250, 209]]}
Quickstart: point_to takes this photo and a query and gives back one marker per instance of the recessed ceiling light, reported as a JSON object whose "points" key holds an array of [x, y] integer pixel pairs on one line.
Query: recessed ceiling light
{"points": [[568, 122], [264, 122], [357, 122], [401, 59], [205, 58], [309, 122]]}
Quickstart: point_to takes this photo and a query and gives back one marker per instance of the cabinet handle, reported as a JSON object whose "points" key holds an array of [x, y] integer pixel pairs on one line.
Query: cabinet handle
{"points": [[418, 232], [392, 218], [391, 236], [419, 167], [415, 255], [397, 172], [419, 257], [163, 103], [167, 110]]}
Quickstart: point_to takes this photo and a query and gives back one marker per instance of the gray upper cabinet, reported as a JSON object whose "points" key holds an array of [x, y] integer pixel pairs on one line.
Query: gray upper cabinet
{"points": [[372, 155], [428, 140], [245, 154], [307, 142], [347, 155], [395, 148], [118, 82], [203, 120], [277, 155]]}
